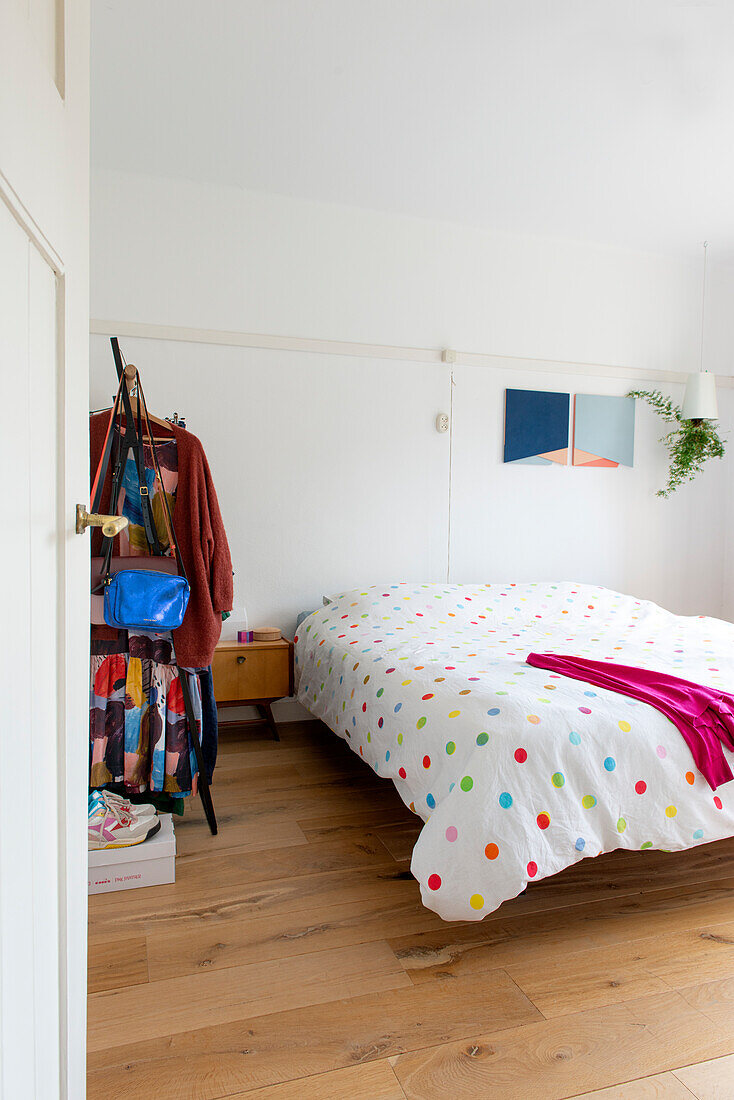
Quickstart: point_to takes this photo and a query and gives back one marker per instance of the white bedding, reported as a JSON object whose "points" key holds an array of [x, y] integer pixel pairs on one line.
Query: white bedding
{"points": [[517, 772]]}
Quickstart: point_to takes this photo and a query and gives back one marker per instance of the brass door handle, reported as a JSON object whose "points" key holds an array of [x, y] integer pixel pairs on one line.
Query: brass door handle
{"points": [[111, 525], [240, 660]]}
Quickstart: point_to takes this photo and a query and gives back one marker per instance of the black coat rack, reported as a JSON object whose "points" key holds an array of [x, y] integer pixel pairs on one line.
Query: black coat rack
{"points": [[131, 441]]}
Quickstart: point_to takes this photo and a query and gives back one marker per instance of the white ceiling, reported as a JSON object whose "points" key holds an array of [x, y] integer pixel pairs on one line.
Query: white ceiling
{"points": [[604, 120]]}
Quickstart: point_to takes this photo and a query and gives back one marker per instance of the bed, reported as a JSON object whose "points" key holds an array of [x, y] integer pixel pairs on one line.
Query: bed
{"points": [[516, 772]]}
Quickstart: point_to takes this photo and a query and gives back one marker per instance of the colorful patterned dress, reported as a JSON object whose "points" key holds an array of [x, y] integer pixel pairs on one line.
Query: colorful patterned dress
{"points": [[138, 731]]}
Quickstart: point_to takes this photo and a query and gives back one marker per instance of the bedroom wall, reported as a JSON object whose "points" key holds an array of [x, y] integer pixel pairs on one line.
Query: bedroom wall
{"points": [[329, 469]]}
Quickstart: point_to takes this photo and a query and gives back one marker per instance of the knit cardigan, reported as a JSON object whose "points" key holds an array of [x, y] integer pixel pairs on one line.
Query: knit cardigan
{"points": [[201, 539]]}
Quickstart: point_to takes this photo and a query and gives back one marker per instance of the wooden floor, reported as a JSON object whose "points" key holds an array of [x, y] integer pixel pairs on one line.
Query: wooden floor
{"points": [[292, 960]]}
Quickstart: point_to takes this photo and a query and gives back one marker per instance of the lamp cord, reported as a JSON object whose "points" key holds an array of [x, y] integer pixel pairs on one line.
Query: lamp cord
{"points": [[451, 476], [703, 299]]}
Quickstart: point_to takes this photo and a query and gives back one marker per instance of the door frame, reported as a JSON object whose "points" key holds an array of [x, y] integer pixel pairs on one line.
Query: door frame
{"points": [[44, 183]]}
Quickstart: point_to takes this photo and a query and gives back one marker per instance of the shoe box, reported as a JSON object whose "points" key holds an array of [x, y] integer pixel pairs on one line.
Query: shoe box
{"points": [[151, 863]]}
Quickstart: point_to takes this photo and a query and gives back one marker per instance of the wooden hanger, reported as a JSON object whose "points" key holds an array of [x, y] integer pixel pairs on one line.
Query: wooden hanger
{"points": [[130, 373]]}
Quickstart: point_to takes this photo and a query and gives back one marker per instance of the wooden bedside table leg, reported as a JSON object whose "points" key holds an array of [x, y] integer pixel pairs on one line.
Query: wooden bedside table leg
{"points": [[267, 714]]}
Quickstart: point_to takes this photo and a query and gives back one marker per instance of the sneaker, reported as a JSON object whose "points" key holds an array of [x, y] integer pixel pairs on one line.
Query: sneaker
{"points": [[113, 827], [108, 799]]}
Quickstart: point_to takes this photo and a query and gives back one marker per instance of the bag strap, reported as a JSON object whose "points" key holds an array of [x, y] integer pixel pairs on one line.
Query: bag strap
{"points": [[133, 441], [104, 458], [167, 517], [121, 396], [123, 443]]}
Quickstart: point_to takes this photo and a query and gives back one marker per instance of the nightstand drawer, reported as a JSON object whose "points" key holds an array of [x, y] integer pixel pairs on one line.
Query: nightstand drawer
{"points": [[244, 673]]}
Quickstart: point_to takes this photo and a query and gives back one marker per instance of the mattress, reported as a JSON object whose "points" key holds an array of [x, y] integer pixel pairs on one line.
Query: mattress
{"points": [[516, 772]]}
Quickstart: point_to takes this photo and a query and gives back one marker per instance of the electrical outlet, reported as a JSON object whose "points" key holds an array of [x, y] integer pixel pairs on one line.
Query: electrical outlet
{"points": [[442, 422]]}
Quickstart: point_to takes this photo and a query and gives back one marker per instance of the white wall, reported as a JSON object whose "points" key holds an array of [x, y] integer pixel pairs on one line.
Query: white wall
{"points": [[329, 470], [182, 253]]}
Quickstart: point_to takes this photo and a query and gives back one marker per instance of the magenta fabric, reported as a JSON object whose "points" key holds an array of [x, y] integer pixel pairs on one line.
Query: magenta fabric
{"points": [[704, 715]]}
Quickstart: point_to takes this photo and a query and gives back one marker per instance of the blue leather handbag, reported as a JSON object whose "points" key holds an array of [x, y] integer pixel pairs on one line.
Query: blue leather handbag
{"points": [[142, 599]]}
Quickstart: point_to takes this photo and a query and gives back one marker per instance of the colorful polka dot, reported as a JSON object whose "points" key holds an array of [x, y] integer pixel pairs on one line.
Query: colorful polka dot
{"points": [[621, 825], [402, 773], [426, 761], [670, 811], [588, 801], [467, 783], [698, 834], [451, 833], [580, 844], [521, 756], [431, 802], [505, 800], [661, 751], [543, 820], [454, 713], [558, 779], [533, 718], [532, 868], [450, 748], [476, 901], [434, 882], [717, 802], [624, 726], [690, 778], [491, 851], [610, 763], [574, 738], [640, 786], [482, 738], [420, 723]]}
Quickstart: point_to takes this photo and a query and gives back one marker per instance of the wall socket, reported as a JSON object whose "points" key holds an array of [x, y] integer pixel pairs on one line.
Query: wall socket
{"points": [[442, 422]]}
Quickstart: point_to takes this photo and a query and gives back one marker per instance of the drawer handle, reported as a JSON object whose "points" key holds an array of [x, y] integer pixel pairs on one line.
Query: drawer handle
{"points": [[240, 660]]}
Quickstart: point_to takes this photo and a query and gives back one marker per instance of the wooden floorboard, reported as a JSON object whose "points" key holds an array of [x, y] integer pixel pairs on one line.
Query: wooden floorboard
{"points": [[712, 1080], [661, 1086], [293, 960]]}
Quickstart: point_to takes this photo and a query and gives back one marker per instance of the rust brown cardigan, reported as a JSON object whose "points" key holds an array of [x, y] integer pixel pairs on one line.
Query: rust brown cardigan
{"points": [[202, 541]]}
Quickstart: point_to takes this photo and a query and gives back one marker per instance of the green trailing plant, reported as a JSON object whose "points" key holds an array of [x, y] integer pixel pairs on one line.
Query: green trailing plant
{"points": [[690, 443]]}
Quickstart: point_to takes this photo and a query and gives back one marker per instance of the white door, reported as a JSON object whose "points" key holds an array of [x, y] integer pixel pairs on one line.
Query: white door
{"points": [[44, 168]]}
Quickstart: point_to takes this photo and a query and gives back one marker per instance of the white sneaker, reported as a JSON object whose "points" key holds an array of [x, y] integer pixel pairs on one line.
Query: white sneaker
{"points": [[113, 827], [109, 799]]}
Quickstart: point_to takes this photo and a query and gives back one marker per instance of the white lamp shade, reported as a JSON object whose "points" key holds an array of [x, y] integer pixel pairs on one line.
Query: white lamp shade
{"points": [[699, 402]]}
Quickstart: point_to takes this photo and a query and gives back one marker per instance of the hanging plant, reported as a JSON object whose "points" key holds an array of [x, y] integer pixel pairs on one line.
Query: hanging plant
{"points": [[690, 443]]}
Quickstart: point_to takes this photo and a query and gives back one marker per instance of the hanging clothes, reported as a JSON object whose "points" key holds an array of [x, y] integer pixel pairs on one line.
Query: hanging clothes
{"points": [[202, 542], [138, 731], [209, 722], [132, 538]]}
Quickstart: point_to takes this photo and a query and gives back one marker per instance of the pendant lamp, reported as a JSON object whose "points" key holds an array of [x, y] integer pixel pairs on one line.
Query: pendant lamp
{"points": [[699, 402]]}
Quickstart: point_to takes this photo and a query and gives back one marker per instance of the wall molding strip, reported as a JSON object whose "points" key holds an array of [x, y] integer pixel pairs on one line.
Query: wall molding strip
{"points": [[141, 330]]}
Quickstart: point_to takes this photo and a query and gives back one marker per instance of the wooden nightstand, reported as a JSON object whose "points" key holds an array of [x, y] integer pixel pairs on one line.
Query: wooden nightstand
{"points": [[253, 674]]}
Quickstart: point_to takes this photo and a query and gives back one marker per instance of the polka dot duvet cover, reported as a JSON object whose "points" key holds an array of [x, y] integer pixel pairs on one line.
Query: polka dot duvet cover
{"points": [[517, 772]]}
